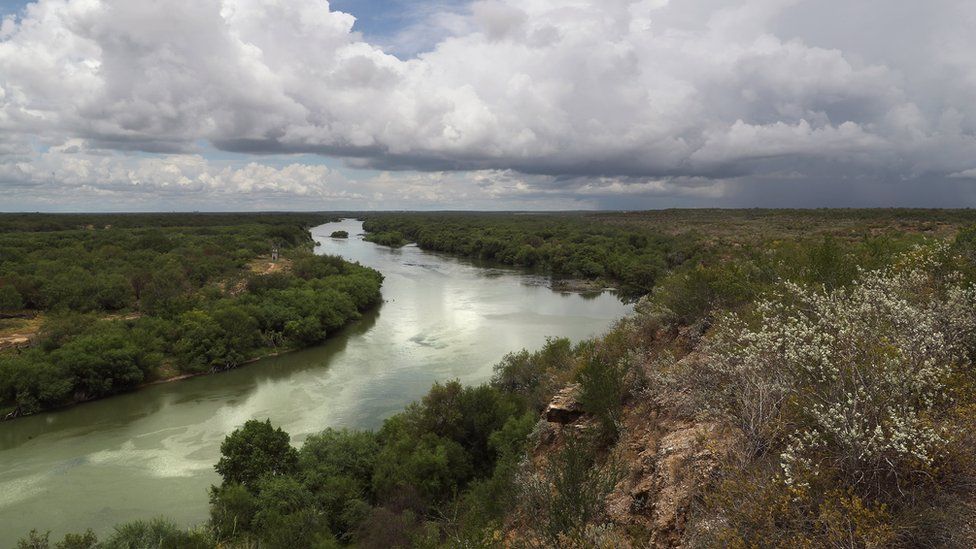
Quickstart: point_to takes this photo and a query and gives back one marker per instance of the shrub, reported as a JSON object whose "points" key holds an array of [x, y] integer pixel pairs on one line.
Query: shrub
{"points": [[10, 299], [693, 293], [465, 415], [601, 393], [306, 330], [828, 265], [113, 292], [570, 494], [271, 281], [254, 451], [87, 540], [35, 540], [437, 467], [318, 266], [851, 379], [337, 467], [387, 528], [488, 499], [393, 239], [287, 517], [755, 508], [158, 533], [533, 377], [232, 509], [340, 453]]}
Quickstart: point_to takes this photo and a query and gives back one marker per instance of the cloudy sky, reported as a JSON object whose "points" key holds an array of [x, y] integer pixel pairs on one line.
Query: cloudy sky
{"points": [[491, 104]]}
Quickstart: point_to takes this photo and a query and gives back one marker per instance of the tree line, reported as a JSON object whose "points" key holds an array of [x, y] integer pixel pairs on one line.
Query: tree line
{"points": [[561, 245], [123, 306]]}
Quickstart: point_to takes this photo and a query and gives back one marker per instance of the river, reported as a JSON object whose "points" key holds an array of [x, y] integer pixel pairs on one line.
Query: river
{"points": [[151, 452]]}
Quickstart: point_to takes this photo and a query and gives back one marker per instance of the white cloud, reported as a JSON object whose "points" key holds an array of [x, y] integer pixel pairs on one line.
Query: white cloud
{"points": [[747, 141], [72, 175], [643, 92], [965, 174], [69, 168]]}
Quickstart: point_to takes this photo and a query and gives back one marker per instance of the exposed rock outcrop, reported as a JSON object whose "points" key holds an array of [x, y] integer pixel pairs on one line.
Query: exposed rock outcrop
{"points": [[670, 461], [564, 408]]}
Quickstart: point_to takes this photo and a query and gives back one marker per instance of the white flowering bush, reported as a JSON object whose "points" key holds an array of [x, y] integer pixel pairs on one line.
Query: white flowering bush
{"points": [[853, 379]]}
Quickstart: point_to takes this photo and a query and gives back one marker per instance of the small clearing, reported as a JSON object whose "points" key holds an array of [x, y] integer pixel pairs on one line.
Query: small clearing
{"points": [[17, 333]]}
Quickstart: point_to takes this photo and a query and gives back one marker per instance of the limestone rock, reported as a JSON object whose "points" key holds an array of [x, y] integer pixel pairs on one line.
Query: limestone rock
{"points": [[564, 408], [671, 460]]}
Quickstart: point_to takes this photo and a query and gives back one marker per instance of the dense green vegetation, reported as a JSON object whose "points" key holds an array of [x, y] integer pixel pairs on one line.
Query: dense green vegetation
{"points": [[123, 304], [569, 246], [153, 534], [635, 250], [339, 234], [43, 222], [376, 488], [392, 239], [144, 268], [837, 365]]}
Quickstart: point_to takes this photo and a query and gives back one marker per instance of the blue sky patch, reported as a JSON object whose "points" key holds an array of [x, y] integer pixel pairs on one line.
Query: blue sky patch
{"points": [[8, 7]]}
